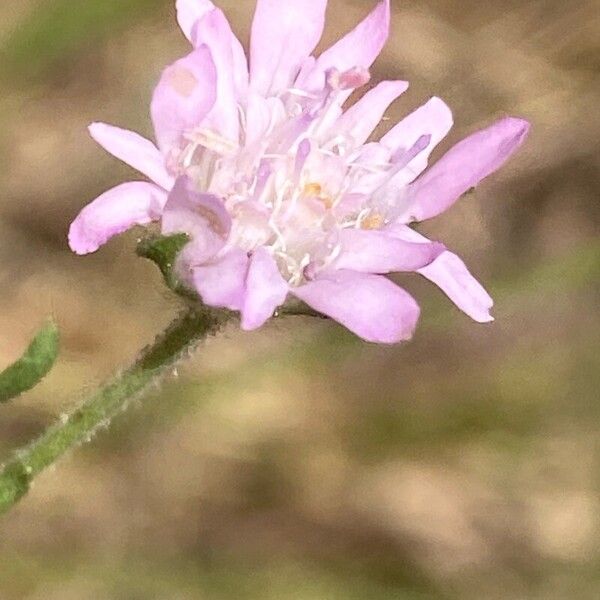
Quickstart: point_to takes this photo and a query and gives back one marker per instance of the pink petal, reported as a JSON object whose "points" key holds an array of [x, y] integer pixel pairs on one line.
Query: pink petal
{"points": [[115, 211], [359, 48], [283, 36], [189, 12], [451, 275], [463, 167], [362, 118], [265, 290], [186, 93], [258, 116], [261, 116], [189, 15], [371, 179], [133, 149], [433, 119], [371, 251], [214, 32], [371, 306], [202, 216], [223, 283]]}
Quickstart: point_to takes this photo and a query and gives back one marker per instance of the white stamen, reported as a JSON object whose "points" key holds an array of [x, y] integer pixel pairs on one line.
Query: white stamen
{"points": [[286, 194]]}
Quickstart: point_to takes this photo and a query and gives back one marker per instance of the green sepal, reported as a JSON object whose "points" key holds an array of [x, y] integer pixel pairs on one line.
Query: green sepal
{"points": [[163, 250], [33, 366]]}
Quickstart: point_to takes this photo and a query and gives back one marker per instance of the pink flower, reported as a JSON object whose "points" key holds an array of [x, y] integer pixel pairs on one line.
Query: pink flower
{"points": [[278, 187]]}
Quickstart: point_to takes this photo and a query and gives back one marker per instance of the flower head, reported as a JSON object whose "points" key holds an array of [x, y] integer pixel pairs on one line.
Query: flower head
{"points": [[277, 184]]}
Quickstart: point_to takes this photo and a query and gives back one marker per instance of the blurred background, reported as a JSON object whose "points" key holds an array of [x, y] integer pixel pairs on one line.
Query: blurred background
{"points": [[297, 462]]}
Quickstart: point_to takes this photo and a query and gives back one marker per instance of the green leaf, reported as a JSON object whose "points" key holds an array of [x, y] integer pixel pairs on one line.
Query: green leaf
{"points": [[33, 366], [163, 251]]}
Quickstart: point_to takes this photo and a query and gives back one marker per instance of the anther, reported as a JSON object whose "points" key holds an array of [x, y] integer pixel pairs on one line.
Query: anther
{"points": [[372, 221]]}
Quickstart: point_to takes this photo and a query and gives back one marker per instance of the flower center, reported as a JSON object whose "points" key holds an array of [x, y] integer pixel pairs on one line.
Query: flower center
{"points": [[295, 187]]}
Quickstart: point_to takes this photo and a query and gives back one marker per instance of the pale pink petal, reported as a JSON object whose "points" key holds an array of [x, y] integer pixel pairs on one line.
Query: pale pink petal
{"points": [[186, 93], [258, 116], [370, 251], [214, 32], [359, 48], [266, 290], [433, 119], [360, 120], [307, 69], [451, 275], [402, 173], [189, 12], [222, 283], [133, 149], [350, 204], [289, 134], [202, 216], [115, 211], [302, 154], [371, 153], [371, 306], [462, 168], [262, 114], [241, 74], [371, 179], [284, 33]]}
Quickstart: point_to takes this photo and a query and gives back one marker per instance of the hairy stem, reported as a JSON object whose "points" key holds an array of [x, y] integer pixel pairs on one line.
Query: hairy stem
{"points": [[107, 402]]}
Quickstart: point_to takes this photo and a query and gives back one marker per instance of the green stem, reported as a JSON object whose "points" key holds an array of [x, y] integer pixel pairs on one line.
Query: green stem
{"points": [[107, 402]]}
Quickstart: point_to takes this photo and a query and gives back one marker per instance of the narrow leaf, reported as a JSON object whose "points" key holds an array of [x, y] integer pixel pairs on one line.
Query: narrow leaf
{"points": [[33, 366]]}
